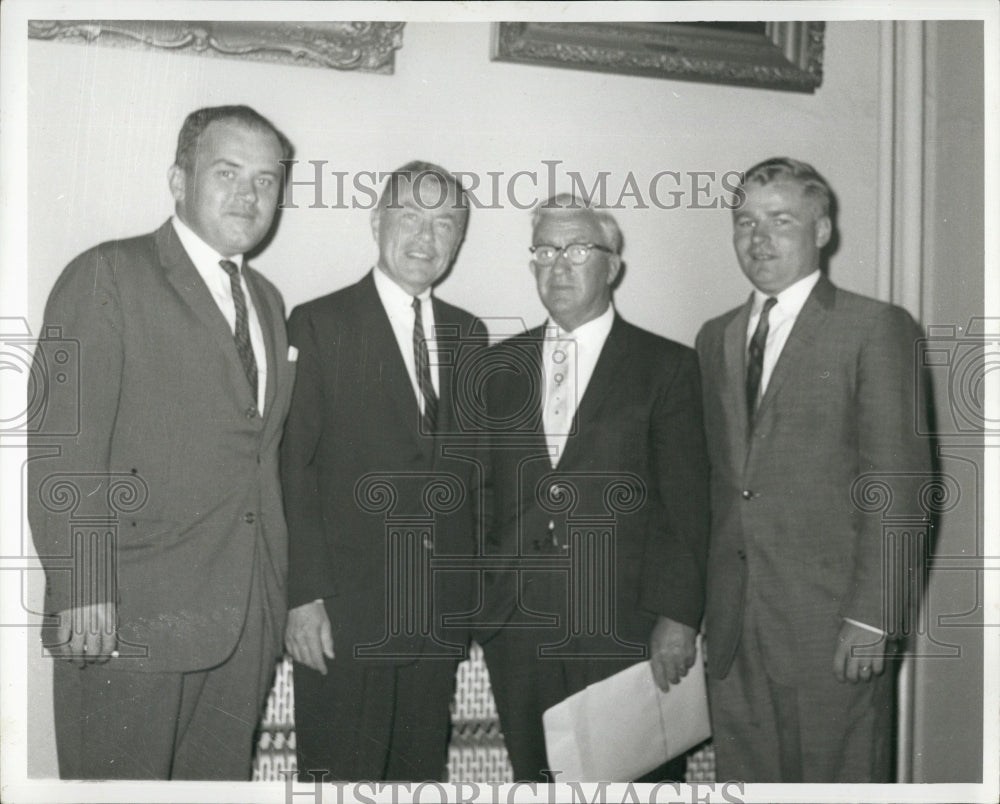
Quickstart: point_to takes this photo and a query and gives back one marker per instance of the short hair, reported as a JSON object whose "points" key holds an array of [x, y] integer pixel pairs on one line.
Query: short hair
{"points": [[414, 172], [783, 168], [196, 123], [567, 203]]}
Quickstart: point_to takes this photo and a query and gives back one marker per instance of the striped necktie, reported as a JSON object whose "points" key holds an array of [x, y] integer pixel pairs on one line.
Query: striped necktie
{"points": [[242, 335], [755, 358], [422, 362]]}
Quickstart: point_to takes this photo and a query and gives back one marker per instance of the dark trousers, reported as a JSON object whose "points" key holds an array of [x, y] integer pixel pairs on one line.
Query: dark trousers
{"points": [[112, 723], [525, 685], [369, 721]]}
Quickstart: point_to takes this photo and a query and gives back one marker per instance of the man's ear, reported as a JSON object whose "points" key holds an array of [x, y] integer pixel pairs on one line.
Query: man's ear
{"points": [[614, 266], [824, 230], [177, 180], [376, 220]]}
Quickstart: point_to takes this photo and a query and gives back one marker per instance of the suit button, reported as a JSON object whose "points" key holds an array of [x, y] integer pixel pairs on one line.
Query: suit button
{"points": [[747, 494], [742, 554], [250, 412], [248, 517]]}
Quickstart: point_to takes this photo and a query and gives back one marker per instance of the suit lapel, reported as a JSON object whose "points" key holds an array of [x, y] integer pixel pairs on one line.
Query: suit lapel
{"points": [[184, 277], [609, 364], [267, 325], [735, 357], [797, 353], [448, 341], [381, 354]]}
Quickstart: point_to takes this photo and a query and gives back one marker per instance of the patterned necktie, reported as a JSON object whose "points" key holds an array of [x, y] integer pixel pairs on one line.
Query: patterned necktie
{"points": [[242, 336], [422, 362], [755, 361]]}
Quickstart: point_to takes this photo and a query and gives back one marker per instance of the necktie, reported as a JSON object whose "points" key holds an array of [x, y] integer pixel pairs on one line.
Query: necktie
{"points": [[755, 361], [560, 401], [422, 361], [242, 336]]}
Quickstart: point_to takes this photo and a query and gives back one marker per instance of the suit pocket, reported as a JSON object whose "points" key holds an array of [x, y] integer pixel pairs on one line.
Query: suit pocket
{"points": [[137, 533]]}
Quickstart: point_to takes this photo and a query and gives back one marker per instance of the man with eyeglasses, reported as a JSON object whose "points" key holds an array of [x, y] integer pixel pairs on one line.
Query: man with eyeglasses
{"points": [[599, 486]]}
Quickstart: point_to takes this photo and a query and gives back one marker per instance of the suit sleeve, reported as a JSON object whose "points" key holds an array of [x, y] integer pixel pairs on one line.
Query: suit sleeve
{"points": [[70, 450], [673, 577], [888, 409], [310, 575]]}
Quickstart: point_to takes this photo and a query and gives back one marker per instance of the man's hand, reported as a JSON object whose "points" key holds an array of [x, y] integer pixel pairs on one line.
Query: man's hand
{"points": [[860, 654], [671, 651], [87, 634], [308, 636]]}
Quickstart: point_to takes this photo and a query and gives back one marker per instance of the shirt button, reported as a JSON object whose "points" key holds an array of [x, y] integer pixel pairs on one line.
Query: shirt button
{"points": [[248, 517], [747, 494]]}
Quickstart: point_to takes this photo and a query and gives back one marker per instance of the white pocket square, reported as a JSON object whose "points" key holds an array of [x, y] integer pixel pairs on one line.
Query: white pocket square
{"points": [[293, 354]]}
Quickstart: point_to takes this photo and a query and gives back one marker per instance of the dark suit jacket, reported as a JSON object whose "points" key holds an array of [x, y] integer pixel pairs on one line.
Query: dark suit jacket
{"points": [[356, 468], [170, 453], [841, 402], [635, 462]]}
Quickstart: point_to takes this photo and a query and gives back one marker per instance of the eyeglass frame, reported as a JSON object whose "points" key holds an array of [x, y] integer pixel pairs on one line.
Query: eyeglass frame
{"points": [[561, 252]]}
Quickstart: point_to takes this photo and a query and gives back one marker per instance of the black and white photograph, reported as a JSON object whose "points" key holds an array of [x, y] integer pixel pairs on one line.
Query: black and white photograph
{"points": [[499, 402]]}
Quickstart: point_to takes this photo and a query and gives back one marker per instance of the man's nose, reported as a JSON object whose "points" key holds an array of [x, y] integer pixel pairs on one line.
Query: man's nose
{"points": [[425, 230], [247, 191], [562, 262]]}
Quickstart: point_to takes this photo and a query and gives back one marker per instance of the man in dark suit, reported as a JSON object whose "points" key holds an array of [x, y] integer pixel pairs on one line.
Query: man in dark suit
{"points": [[598, 489], [171, 628], [807, 388], [373, 493]]}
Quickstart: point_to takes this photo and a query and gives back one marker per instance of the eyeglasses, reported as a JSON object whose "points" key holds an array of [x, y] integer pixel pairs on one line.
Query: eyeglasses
{"points": [[575, 253]]}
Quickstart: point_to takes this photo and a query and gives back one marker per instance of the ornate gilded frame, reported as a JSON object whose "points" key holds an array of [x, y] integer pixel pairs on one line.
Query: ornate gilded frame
{"points": [[368, 46], [786, 55]]}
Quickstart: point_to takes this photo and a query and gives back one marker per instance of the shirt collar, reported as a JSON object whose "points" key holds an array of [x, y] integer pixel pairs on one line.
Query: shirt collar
{"points": [[197, 249], [594, 332], [791, 299], [392, 295]]}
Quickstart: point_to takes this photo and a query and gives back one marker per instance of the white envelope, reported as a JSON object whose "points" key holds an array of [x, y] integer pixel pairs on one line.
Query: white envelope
{"points": [[620, 728]]}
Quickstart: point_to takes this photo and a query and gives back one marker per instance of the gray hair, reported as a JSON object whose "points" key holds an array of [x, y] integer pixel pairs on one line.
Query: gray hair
{"points": [[567, 203]]}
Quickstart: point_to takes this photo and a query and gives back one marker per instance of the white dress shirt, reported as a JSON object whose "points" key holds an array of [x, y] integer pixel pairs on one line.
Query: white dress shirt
{"points": [[583, 348], [398, 306], [206, 261]]}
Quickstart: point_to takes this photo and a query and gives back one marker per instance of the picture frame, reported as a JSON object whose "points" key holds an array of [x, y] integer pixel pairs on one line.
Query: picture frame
{"points": [[366, 46], [768, 55]]}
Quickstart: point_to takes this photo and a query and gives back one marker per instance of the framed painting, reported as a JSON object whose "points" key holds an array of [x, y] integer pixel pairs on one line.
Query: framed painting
{"points": [[769, 55]]}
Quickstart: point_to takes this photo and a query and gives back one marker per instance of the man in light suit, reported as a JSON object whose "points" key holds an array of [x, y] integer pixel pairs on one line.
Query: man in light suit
{"points": [[373, 493], [807, 388], [171, 629], [598, 481]]}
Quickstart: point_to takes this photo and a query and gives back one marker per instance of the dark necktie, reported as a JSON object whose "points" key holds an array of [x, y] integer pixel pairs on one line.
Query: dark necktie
{"points": [[422, 361], [242, 336], [755, 358]]}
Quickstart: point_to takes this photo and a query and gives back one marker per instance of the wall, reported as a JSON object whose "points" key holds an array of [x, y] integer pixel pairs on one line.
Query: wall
{"points": [[101, 145], [103, 121], [948, 727]]}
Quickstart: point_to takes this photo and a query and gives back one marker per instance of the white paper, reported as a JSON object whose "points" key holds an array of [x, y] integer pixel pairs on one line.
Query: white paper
{"points": [[620, 728]]}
